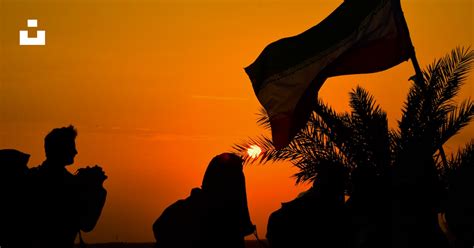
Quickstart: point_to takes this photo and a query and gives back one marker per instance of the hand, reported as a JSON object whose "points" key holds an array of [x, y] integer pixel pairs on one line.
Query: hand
{"points": [[99, 172], [92, 176]]}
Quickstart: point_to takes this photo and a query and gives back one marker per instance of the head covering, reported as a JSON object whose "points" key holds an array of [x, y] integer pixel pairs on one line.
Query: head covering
{"points": [[223, 174], [224, 181]]}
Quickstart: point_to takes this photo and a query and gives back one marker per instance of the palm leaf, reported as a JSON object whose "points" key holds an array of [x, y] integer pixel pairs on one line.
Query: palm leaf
{"points": [[429, 105], [456, 119], [371, 144]]}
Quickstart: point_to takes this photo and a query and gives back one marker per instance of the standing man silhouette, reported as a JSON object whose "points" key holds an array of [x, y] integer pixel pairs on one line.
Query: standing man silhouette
{"points": [[65, 203]]}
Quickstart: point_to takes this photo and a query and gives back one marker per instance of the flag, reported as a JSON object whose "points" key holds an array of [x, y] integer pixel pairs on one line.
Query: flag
{"points": [[360, 36]]}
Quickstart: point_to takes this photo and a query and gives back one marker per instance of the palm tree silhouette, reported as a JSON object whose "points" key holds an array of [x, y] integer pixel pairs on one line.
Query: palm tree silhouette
{"points": [[407, 164], [430, 117]]}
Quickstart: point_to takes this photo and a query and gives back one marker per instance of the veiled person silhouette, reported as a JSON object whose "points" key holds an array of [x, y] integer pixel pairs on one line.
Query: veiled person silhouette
{"points": [[215, 215]]}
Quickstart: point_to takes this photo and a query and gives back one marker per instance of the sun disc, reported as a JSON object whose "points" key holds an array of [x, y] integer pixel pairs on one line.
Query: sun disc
{"points": [[254, 151]]}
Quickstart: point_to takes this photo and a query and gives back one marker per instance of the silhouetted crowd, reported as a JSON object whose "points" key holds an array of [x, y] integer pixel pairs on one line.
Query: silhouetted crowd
{"points": [[47, 206]]}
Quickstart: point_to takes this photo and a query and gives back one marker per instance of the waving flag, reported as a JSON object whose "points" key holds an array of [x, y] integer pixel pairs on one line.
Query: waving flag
{"points": [[360, 36]]}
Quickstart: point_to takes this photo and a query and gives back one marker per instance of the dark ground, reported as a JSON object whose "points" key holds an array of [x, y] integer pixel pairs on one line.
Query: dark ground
{"points": [[248, 244]]}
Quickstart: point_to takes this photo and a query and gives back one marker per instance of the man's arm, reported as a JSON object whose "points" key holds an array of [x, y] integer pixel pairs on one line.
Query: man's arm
{"points": [[92, 196], [93, 201]]}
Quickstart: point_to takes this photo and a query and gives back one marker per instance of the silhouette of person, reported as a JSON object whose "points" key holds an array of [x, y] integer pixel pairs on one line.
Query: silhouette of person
{"points": [[66, 203], [215, 215], [13, 198], [459, 210], [415, 200], [314, 219]]}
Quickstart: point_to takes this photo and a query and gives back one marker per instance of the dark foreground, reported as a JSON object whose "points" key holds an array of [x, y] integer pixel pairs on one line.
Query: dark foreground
{"points": [[248, 244]]}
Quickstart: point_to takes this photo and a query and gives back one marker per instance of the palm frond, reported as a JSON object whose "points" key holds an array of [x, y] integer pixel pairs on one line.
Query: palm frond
{"points": [[316, 150], [263, 120], [268, 154], [363, 104], [456, 119], [464, 157], [311, 147], [452, 73], [429, 105], [370, 142], [337, 127], [339, 123]]}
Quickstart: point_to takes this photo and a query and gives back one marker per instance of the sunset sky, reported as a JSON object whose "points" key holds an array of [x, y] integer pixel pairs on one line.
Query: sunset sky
{"points": [[156, 89]]}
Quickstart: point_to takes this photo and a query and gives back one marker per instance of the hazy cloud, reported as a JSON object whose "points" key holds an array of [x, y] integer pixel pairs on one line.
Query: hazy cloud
{"points": [[219, 98], [152, 134]]}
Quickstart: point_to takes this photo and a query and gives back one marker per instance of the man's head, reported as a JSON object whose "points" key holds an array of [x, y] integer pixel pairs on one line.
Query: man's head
{"points": [[60, 145]]}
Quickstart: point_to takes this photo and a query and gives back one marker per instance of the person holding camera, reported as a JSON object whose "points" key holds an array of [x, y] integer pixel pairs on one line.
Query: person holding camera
{"points": [[65, 203]]}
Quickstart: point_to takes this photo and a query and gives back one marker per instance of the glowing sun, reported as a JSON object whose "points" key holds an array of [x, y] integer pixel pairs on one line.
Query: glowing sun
{"points": [[254, 151]]}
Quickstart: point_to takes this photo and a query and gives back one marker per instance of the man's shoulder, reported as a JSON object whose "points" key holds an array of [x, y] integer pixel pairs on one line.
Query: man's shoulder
{"points": [[42, 173], [35, 171]]}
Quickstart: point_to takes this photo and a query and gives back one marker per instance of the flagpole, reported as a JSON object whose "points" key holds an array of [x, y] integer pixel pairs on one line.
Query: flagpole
{"points": [[416, 66]]}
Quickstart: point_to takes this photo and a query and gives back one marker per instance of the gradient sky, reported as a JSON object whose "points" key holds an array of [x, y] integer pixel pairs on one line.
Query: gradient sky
{"points": [[157, 88]]}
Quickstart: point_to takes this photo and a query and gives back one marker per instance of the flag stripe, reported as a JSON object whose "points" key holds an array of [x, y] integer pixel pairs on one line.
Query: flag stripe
{"points": [[358, 37], [344, 23], [275, 94]]}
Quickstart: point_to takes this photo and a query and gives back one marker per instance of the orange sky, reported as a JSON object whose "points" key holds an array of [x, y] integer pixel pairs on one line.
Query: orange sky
{"points": [[157, 88]]}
